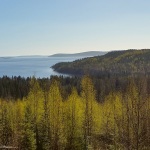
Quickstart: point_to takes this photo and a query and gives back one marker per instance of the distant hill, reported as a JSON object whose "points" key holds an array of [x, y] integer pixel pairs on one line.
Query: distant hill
{"points": [[124, 62], [83, 54]]}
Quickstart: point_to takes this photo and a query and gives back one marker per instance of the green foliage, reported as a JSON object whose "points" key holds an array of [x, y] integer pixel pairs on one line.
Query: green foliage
{"points": [[44, 120], [14, 88], [5, 124], [28, 135], [120, 63], [73, 119]]}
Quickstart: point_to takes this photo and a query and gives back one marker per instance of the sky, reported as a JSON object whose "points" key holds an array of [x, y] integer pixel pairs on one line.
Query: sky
{"points": [[45, 27]]}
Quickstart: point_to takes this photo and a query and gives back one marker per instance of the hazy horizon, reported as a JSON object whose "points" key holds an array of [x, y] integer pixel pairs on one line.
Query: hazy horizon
{"points": [[49, 27], [55, 53], [28, 55]]}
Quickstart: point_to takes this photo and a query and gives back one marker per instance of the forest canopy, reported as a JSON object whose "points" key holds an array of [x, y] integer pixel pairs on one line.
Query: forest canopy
{"points": [[123, 63], [45, 119]]}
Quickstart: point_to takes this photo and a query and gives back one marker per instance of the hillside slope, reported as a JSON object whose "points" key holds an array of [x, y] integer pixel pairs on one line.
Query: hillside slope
{"points": [[116, 62]]}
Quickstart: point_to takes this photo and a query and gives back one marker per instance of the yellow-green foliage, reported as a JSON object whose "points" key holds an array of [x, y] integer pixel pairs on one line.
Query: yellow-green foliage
{"points": [[43, 120], [73, 120]]}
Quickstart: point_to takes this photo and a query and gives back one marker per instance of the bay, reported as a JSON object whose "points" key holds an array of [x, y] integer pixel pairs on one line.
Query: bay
{"points": [[38, 66]]}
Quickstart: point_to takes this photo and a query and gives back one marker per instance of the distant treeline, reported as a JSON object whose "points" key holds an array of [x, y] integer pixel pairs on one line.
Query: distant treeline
{"points": [[19, 87], [14, 87]]}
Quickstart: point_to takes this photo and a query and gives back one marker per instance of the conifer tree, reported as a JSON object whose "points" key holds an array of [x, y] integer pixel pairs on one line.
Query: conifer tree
{"points": [[35, 99], [88, 96], [28, 140], [73, 121], [56, 120], [45, 124], [6, 132]]}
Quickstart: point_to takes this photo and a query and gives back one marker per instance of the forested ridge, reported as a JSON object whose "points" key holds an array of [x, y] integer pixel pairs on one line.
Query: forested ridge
{"points": [[46, 119], [126, 62]]}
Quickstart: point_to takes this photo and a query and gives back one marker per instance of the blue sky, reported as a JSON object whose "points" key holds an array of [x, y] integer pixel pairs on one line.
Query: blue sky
{"points": [[44, 27]]}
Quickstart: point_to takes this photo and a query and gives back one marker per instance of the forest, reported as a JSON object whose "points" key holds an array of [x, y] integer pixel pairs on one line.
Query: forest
{"points": [[78, 113], [124, 63]]}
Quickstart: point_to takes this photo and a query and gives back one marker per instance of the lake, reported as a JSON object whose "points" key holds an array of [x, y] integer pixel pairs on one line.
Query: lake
{"points": [[38, 66]]}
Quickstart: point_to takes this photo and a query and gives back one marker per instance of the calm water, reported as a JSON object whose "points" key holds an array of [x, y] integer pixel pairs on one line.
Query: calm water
{"points": [[29, 66]]}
